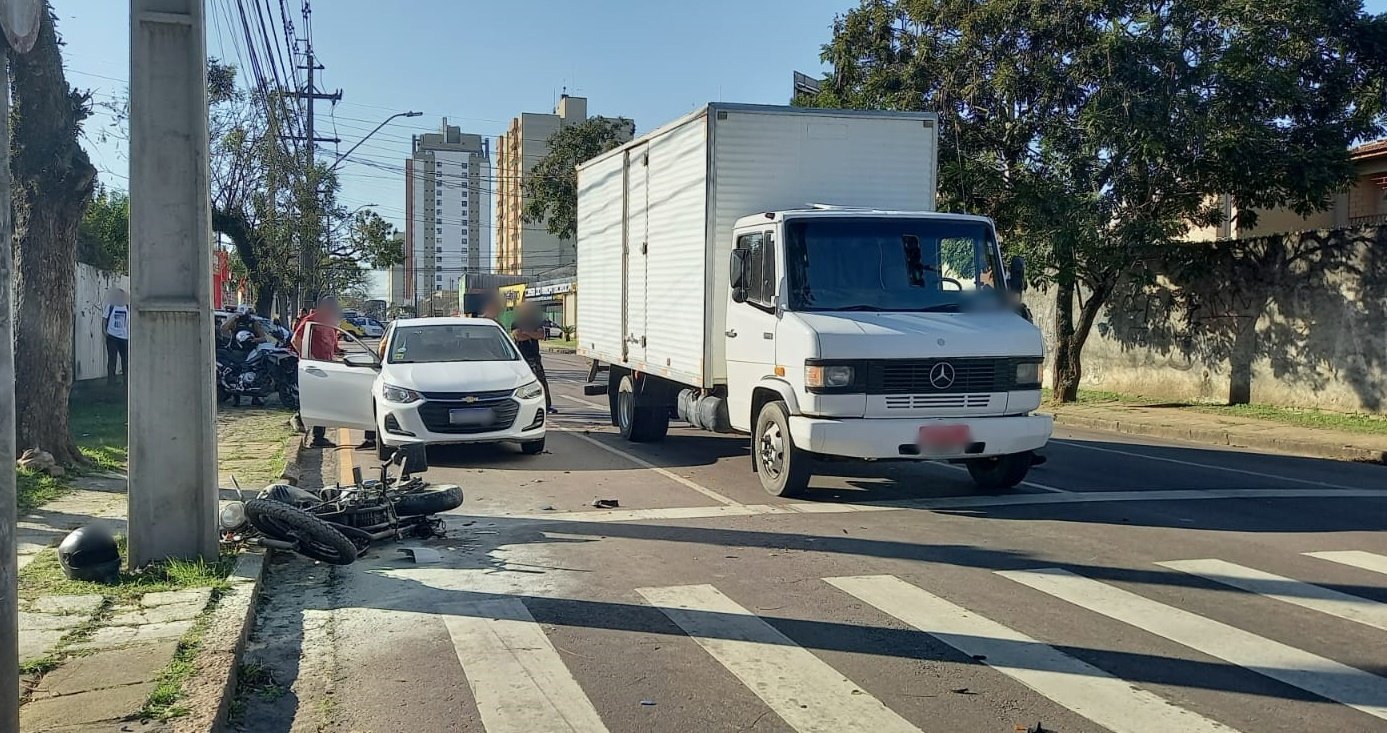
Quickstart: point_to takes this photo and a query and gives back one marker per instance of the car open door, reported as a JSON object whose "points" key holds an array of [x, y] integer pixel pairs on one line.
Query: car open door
{"points": [[337, 392]]}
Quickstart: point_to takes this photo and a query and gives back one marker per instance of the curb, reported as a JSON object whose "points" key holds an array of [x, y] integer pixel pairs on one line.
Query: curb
{"points": [[209, 690], [292, 470], [1310, 448]]}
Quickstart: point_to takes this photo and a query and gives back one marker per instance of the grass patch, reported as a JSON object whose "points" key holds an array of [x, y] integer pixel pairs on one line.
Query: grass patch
{"points": [[1300, 417], [97, 419], [44, 577], [165, 701], [36, 488]]}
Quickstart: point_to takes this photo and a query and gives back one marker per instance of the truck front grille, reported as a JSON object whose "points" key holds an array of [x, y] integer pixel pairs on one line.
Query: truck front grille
{"points": [[935, 401], [918, 377]]}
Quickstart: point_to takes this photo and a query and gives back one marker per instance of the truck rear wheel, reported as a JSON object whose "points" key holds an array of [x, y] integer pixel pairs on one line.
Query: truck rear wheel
{"points": [[639, 422], [783, 468], [1000, 472]]}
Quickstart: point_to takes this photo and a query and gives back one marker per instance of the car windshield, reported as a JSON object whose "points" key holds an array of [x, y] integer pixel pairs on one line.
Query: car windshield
{"points": [[891, 264], [449, 342]]}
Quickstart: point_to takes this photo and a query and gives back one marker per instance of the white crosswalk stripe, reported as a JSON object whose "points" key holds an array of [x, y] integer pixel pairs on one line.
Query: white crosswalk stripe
{"points": [[1355, 558], [1075, 684], [1324, 677], [520, 683], [807, 693], [1305, 595]]}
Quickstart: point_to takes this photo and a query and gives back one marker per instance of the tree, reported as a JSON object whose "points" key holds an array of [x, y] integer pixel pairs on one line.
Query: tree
{"points": [[552, 186], [103, 237], [1095, 131], [53, 181]]}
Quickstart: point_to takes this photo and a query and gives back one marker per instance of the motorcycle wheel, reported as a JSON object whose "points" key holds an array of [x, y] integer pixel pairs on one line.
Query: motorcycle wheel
{"points": [[312, 537], [222, 394], [289, 397], [430, 501]]}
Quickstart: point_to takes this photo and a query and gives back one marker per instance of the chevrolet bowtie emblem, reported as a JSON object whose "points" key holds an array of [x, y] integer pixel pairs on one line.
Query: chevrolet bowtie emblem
{"points": [[469, 398]]}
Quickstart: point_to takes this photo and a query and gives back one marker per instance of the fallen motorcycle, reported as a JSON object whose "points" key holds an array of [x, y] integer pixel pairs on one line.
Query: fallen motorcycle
{"points": [[338, 524]]}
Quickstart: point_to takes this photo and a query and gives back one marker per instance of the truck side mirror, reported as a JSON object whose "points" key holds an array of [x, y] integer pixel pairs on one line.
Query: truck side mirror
{"points": [[1016, 278], [736, 272]]}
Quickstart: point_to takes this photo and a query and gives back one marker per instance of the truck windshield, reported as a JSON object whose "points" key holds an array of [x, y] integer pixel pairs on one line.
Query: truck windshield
{"points": [[891, 264]]}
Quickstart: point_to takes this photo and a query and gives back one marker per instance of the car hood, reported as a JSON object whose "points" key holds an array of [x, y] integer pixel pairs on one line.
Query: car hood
{"points": [[922, 335], [458, 376]]}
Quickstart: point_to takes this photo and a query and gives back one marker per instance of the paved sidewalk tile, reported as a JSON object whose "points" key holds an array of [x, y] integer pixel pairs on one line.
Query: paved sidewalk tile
{"points": [[113, 668], [110, 637], [56, 713]]}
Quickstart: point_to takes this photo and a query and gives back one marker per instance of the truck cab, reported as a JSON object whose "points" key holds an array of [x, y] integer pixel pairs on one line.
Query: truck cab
{"points": [[879, 335]]}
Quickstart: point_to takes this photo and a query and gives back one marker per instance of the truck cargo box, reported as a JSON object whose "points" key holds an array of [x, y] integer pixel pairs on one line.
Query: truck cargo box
{"points": [[655, 217]]}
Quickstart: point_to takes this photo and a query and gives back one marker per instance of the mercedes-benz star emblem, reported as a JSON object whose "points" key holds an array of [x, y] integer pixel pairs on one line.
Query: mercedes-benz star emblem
{"points": [[941, 375]]}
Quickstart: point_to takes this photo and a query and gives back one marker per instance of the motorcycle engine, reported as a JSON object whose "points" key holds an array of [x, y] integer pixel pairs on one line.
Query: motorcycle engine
{"points": [[363, 518], [248, 379]]}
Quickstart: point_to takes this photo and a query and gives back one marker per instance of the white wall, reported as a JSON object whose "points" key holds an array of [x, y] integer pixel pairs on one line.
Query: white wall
{"points": [[89, 341]]}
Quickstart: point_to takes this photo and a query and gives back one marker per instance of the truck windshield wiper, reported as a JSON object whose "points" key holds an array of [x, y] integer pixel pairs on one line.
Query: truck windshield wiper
{"points": [[858, 308]]}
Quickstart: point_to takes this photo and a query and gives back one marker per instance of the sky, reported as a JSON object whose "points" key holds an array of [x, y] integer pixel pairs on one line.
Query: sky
{"points": [[481, 63]]}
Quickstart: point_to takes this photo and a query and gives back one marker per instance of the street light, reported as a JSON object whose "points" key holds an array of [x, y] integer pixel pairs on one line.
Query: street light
{"points": [[343, 156]]}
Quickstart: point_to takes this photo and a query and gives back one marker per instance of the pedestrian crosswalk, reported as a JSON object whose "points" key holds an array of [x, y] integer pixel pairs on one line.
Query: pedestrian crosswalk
{"points": [[521, 682]]}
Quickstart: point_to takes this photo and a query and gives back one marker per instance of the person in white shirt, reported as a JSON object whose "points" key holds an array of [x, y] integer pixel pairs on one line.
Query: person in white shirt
{"points": [[115, 323]]}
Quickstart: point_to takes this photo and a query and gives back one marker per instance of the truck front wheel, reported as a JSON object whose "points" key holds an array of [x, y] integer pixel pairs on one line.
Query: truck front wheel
{"points": [[639, 422], [784, 469], [1000, 472]]}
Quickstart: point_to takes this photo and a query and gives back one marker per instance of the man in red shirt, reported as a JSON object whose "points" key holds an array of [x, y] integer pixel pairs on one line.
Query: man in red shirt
{"points": [[321, 347]]}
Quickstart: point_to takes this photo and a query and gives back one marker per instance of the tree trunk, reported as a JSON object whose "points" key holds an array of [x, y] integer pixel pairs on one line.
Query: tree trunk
{"points": [[53, 182], [1070, 337]]}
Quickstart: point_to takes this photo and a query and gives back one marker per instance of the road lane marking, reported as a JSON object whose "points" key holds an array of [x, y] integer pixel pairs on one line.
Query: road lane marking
{"points": [[715, 496], [584, 402], [1324, 677], [345, 461], [807, 693], [1210, 466], [1075, 684], [518, 680], [952, 502], [1354, 558], [1305, 595]]}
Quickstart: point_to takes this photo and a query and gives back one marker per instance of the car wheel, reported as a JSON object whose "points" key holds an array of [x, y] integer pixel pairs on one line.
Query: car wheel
{"points": [[383, 451], [532, 447]]}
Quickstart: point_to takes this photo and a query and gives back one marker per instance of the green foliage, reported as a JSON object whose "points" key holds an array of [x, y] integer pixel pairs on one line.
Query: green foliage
{"points": [[1095, 130], [103, 237], [552, 187]]}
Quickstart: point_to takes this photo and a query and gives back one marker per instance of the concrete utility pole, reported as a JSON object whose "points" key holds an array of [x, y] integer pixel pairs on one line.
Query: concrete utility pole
{"points": [[21, 19], [308, 275], [173, 446]]}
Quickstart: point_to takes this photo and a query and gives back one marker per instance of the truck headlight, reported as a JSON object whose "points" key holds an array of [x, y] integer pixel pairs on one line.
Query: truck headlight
{"points": [[529, 391], [1028, 375], [834, 376], [399, 395]]}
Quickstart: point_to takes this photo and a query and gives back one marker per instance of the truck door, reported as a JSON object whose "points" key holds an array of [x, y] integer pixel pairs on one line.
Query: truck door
{"points": [[751, 324], [633, 260]]}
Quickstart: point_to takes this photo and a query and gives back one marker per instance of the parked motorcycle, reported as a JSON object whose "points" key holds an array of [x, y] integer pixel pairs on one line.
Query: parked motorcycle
{"points": [[257, 373], [338, 524]]}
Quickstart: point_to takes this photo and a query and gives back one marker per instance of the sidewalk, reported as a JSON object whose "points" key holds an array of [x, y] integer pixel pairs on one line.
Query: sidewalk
{"points": [[1183, 423], [92, 655]]}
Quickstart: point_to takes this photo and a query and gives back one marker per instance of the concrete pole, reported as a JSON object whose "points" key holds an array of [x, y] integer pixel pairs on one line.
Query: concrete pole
{"points": [[173, 447], [9, 496]]}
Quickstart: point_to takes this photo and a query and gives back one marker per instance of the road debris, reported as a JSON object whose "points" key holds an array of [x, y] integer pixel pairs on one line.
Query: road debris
{"points": [[606, 503], [422, 555]]}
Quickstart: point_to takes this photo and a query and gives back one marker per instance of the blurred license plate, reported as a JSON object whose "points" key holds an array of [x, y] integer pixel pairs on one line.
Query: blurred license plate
{"points": [[944, 438], [471, 416]]}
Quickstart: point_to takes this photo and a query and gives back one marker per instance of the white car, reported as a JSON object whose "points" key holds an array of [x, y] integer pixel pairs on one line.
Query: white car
{"points": [[440, 381], [371, 328]]}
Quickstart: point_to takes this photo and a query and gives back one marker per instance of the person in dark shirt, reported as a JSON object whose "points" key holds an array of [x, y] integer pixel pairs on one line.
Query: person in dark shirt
{"points": [[528, 331]]}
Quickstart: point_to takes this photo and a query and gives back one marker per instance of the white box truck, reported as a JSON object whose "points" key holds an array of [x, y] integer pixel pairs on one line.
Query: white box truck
{"points": [[781, 272]]}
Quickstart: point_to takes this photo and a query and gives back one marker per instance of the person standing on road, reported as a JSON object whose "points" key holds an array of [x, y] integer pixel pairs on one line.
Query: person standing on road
{"points": [[321, 347], [528, 331], [115, 325]]}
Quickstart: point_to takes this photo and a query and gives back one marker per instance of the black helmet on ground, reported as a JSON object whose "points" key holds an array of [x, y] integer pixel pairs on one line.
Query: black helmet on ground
{"points": [[90, 553]]}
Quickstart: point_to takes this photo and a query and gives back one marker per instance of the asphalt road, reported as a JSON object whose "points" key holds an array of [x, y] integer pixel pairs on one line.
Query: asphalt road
{"points": [[1129, 586]]}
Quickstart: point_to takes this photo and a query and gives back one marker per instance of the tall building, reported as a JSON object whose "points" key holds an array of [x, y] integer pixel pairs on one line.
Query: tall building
{"points": [[447, 210], [528, 249]]}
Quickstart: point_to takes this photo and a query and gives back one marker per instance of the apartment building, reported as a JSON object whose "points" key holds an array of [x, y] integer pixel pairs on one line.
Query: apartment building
{"points": [[447, 210]]}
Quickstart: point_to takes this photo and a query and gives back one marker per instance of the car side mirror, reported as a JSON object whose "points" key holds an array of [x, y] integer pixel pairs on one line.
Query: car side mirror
{"points": [[360, 362], [1016, 278]]}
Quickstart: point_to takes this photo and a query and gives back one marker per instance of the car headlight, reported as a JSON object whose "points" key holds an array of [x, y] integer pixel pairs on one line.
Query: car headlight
{"points": [[232, 516], [1028, 375], [529, 391], [828, 377], [400, 395]]}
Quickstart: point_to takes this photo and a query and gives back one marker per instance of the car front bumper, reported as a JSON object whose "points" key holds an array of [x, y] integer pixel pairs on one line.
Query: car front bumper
{"points": [[426, 422], [884, 438]]}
